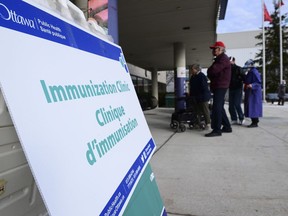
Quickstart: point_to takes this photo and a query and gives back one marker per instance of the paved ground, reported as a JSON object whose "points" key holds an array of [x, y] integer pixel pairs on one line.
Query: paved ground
{"points": [[244, 173]]}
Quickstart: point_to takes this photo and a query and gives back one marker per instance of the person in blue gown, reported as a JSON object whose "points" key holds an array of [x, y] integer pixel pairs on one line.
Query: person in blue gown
{"points": [[253, 107]]}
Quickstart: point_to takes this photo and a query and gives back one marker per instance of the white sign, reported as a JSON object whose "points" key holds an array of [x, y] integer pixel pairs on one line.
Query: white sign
{"points": [[181, 72], [75, 110]]}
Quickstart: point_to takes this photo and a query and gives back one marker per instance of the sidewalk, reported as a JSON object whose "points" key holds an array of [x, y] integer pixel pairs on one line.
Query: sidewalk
{"points": [[244, 173]]}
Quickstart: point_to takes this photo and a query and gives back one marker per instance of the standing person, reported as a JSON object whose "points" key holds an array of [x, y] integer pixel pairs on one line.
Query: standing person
{"points": [[281, 93], [253, 94], [235, 93], [219, 74], [200, 93]]}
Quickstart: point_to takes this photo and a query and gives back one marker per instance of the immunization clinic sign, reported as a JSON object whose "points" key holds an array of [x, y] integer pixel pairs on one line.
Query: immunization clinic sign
{"points": [[75, 110]]}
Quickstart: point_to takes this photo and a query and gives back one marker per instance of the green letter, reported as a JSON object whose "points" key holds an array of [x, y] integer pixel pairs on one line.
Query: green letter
{"points": [[45, 91]]}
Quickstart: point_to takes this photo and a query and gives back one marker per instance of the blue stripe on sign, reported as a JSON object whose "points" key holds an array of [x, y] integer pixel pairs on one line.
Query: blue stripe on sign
{"points": [[164, 213], [118, 199], [23, 17]]}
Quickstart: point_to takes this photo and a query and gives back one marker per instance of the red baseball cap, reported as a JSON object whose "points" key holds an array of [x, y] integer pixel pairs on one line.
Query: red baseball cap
{"points": [[217, 44]]}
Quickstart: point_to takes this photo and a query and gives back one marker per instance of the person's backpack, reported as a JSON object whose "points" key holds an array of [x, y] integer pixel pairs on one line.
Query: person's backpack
{"points": [[236, 77]]}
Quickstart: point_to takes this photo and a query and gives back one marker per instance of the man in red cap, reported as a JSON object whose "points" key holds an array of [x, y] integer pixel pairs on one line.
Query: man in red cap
{"points": [[219, 74]]}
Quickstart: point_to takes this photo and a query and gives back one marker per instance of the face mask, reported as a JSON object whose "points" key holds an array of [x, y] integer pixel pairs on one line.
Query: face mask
{"points": [[245, 71]]}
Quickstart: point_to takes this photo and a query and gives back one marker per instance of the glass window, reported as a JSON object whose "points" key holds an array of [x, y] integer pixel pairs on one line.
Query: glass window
{"points": [[140, 85], [146, 85]]}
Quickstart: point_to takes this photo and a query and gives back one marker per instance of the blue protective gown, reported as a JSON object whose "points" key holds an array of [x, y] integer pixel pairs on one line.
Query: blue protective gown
{"points": [[253, 107]]}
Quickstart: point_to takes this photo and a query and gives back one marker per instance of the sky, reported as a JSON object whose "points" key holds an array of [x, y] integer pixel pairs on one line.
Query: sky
{"points": [[246, 15]]}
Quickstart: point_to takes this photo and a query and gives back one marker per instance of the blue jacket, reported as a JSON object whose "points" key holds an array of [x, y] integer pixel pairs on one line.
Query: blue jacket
{"points": [[253, 96], [199, 88]]}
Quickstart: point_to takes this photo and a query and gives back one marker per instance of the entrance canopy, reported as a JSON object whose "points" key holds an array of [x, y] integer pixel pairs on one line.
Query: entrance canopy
{"points": [[148, 30]]}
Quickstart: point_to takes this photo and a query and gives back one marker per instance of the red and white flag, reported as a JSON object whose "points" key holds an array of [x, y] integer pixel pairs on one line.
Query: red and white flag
{"points": [[279, 4], [267, 16]]}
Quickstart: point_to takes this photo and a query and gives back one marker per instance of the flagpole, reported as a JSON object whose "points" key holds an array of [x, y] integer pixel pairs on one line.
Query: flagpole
{"points": [[264, 55], [280, 36]]}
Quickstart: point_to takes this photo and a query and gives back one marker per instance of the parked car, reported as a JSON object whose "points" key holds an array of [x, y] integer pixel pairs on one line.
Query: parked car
{"points": [[273, 97], [147, 101]]}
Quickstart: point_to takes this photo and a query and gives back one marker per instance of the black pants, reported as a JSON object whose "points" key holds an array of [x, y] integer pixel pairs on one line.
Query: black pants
{"points": [[219, 116], [281, 101], [255, 121]]}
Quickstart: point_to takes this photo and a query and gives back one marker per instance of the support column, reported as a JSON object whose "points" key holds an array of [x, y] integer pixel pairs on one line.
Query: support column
{"points": [[180, 75], [155, 83], [113, 20]]}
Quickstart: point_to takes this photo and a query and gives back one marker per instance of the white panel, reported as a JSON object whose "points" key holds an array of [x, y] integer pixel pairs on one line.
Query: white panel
{"points": [[21, 195], [8, 135], [39, 211], [11, 156], [16, 196], [5, 119], [36, 203]]}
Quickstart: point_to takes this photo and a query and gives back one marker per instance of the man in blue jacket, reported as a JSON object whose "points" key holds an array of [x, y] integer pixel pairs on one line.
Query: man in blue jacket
{"points": [[219, 74], [200, 93]]}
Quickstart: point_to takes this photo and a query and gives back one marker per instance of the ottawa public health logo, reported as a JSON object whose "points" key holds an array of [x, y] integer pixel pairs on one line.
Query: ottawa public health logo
{"points": [[11, 15]]}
